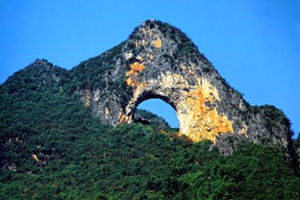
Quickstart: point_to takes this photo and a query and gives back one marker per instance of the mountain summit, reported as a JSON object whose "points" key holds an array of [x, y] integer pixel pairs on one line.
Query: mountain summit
{"points": [[159, 61], [78, 134]]}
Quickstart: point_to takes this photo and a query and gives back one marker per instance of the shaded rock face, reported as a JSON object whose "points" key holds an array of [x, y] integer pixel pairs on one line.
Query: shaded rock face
{"points": [[159, 61]]}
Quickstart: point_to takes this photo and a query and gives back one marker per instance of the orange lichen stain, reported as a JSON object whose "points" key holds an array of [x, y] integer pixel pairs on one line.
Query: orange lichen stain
{"points": [[136, 67], [143, 85], [157, 42], [200, 121], [132, 74], [196, 110], [130, 82]]}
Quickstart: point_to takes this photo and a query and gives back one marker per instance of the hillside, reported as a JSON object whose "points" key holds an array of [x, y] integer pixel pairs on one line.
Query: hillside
{"points": [[60, 138], [160, 61]]}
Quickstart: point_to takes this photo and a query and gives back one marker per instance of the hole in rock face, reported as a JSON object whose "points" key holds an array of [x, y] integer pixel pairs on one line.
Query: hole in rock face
{"points": [[159, 108]]}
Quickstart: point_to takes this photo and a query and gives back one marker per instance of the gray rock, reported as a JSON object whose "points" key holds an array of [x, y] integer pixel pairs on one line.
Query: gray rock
{"points": [[159, 61]]}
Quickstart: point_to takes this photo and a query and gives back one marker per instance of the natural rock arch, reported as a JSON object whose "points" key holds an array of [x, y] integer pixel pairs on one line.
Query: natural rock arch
{"points": [[159, 61], [156, 111], [168, 66], [148, 96], [195, 105]]}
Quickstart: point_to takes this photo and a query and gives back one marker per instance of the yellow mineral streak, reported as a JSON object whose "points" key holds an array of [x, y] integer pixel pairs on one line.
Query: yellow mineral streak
{"points": [[208, 90], [138, 89], [140, 58], [198, 121], [170, 80], [157, 43], [133, 73], [128, 55], [124, 118], [106, 112], [129, 81], [244, 130], [35, 158]]}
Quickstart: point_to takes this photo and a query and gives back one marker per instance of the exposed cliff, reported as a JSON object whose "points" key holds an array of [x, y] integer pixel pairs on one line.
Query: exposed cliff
{"points": [[159, 61], [53, 147]]}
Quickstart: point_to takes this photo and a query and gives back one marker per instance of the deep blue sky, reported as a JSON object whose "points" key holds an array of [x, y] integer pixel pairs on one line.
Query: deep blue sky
{"points": [[255, 45]]}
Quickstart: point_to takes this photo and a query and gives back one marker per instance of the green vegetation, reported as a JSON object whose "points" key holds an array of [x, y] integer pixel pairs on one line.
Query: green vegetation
{"points": [[52, 148], [150, 119], [296, 146], [138, 162]]}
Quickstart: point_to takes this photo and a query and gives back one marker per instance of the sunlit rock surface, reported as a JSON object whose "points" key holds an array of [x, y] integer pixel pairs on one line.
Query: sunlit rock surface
{"points": [[159, 61]]}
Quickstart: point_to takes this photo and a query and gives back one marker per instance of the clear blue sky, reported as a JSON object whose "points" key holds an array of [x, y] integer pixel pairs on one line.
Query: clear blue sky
{"points": [[255, 45]]}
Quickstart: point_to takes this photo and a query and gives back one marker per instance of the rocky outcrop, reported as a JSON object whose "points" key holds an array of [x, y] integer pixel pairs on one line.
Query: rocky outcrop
{"points": [[159, 61]]}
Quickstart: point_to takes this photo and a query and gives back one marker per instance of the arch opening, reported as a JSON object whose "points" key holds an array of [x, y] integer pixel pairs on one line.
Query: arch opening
{"points": [[157, 106]]}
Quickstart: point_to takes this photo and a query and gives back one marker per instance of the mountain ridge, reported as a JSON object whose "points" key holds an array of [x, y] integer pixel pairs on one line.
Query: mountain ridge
{"points": [[62, 138], [112, 85]]}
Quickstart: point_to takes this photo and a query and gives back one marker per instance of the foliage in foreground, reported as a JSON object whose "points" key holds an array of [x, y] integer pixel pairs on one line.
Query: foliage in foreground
{"points": [[137, 162]]}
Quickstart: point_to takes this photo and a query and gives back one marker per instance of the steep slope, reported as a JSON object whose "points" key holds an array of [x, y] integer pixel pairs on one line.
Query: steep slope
{"points": [[159, 61], [53, 148], [33, 101], [40, 118]]}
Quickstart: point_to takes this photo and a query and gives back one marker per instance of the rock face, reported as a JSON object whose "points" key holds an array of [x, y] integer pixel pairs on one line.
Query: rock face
{"points": [[159, 61]]}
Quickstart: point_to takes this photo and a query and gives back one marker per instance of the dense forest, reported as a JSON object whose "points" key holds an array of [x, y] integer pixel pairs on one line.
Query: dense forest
{"points": [[52, 148]]}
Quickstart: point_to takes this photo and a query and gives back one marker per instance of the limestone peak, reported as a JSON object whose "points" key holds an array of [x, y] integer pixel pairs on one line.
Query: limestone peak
{"points": [[160, 61]]}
